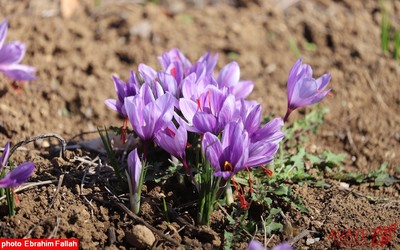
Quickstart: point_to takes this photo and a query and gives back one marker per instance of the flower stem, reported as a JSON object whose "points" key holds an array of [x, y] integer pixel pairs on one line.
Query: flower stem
{"points": [[287, 115], [186, 166]]}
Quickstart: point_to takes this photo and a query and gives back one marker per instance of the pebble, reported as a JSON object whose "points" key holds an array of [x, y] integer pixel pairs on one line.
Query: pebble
{"points": [[140, 237]]}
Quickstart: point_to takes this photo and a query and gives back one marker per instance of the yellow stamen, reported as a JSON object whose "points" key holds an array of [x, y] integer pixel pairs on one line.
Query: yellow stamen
{"points": [[228, 166]]}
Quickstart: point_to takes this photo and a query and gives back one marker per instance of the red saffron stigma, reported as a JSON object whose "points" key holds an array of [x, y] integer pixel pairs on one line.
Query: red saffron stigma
{"points": [[198, 104], [171, 131], [173, 72], [267, 171], [243, 203], [250, 181]]}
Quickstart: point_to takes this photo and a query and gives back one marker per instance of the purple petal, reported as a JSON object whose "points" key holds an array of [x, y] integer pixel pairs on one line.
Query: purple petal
{"points": [[18, 175], [253, 119], [147, 94], [18, 72], [229, 75], [148, 73], [169, 83], [318, 97], [205, 122], [305, 71], [235, 144], [132, 86], [173, 140], [226, 113], [12, 53], [270, 132], [261, 153], [3, 31], [188, 109], [292, 80], [242, 89], [164, 110], [113, 104], [323, 81], [224, 174], [149, 121], [189, 87], [212, 148], [134, 169], [133, 104], [303, 92], [5, 155], [119, 88], [255, 245]]}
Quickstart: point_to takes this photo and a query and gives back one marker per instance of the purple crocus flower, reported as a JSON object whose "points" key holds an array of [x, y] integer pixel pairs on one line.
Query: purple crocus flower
{"points": [[130, 88], [229, 155], [173, 139], [229, 77], [134, 173], [11, 55], [134, 169], [194, 85], [264, 141], [303, 89], [168, 83], [211, 111], [256, 245], [175, 63], [18, 175], [147, 114]]}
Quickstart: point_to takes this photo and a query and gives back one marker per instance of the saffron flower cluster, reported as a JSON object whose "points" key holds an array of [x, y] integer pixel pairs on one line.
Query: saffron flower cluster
{"points": [[183, 100], [18, 175], [11, 54]]}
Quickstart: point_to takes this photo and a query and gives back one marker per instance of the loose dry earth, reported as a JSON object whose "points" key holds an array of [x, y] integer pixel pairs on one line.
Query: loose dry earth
{"points": [[75, 58]]}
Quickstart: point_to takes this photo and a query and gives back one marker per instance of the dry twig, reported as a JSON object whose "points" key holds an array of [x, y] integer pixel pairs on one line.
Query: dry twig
{"points": [[35, 138], [60, 181], [29, 185]]}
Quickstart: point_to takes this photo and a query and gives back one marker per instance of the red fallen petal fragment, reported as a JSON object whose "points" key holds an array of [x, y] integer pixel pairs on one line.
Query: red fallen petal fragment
{"points": [[17, 86]]}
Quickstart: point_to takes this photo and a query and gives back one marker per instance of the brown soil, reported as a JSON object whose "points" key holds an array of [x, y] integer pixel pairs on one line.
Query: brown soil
{"points": [[75, 58]]}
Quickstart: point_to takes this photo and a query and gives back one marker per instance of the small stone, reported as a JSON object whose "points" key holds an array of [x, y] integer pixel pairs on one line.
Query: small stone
{"points": [[140, 237], [311, 241]]}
